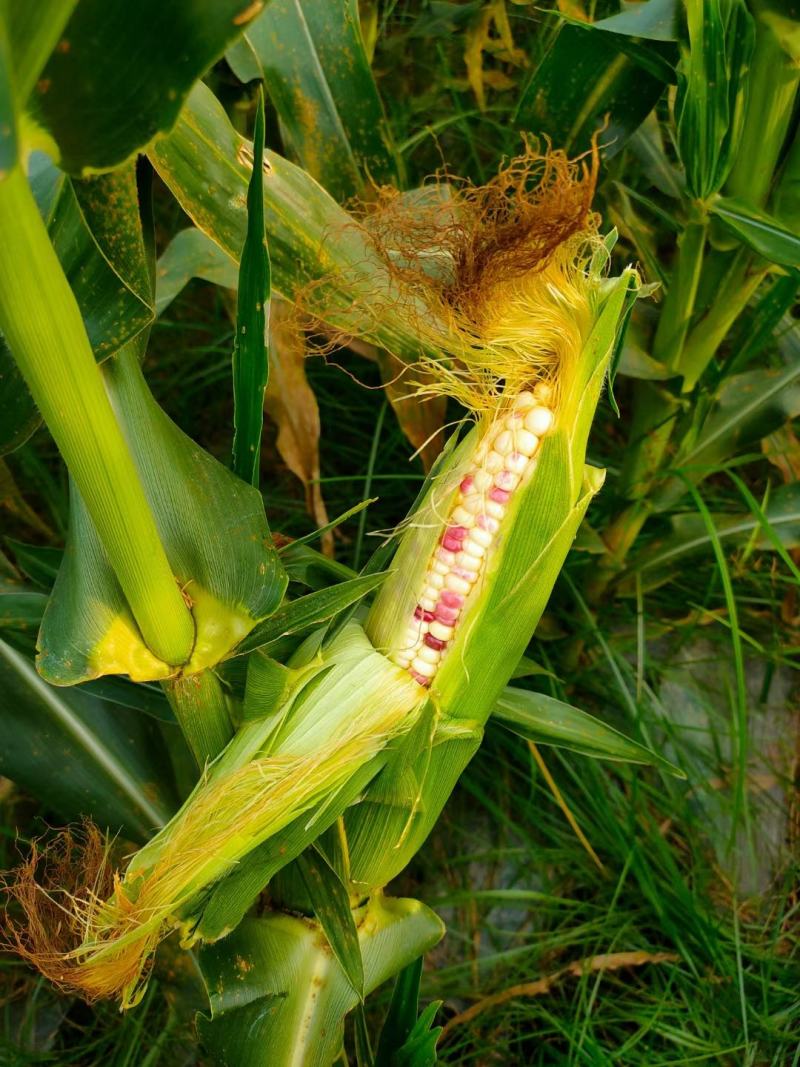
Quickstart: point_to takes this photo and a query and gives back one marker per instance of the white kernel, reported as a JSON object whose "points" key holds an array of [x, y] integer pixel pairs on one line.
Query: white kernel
{"points": [[428, 603], [472, 548], [480, 537], [427, 670], [440, 631], [482, 480], [516, 462], [434, 580], [504, 443], [468, 562], [507, 481], [461, 517], [514, 421], [473, 503], [401, 660], [457, 585], [543, 391], [440, 568], [446, 556], [430, 655], [494, 462], [431, 592], [497, 511], [526, 442], [525, 400], [539, 421]]}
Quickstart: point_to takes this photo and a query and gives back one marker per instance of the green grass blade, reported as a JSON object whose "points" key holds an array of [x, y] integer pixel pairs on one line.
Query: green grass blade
{"points": [[250, 350]]}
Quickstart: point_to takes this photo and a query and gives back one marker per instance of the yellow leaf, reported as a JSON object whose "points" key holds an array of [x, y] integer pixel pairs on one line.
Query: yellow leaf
{"points": [[291, 404]]}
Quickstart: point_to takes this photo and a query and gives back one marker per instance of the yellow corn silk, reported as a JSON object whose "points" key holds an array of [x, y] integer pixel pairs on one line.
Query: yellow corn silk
{"points": [[215, 535], [339, 709]]}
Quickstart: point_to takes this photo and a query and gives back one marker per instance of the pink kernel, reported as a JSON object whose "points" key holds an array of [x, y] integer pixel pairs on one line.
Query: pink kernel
{"points": [[434, 642], [459, 532], [504, 480], [500, 496], [420, 678], [467, 484], [446, 615], [450, 542], [486, 522], [462, 572], [451, 599], [421, 613]]}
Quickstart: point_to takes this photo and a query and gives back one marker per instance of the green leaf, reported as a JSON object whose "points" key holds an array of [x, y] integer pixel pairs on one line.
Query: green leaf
{"points": [[589, 76], [712, 83], [39, 563], [331, 905], [408, 1041], [654, 20], [688, 534], [314, 244], [309, 611], [122, 71], [9, 148], [79, 756], [758, 230], [279, 996], [748, 407], [192, 254], [547, 721], [312, 60], [215, 535], [33, 31], [250, 351]]}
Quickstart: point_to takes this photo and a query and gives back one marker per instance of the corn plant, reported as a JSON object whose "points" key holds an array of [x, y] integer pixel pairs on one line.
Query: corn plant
{"points": [[324, 716]]}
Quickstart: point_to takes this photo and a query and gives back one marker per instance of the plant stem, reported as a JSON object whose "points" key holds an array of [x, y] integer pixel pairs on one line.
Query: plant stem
{"points": [[44, 329], [200, 707]]}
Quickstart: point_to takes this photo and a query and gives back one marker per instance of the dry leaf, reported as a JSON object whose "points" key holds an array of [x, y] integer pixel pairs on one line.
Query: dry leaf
{"points": [[479, 40], [291, 404], [612, 961]]}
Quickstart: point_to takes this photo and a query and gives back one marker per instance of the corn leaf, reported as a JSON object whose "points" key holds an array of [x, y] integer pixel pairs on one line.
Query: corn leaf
{"points": [[314, 245], [191, 254], [408, 1041], [586, 77], [547, 721], [123, 72], [9, 147], [689, 534], [330, 903], [747, 408], [311, 58], [80, 756], [712, 80], [309, 611], [278, 996], [215, 535], [33, 31], [250, 352], [758, 230]]}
